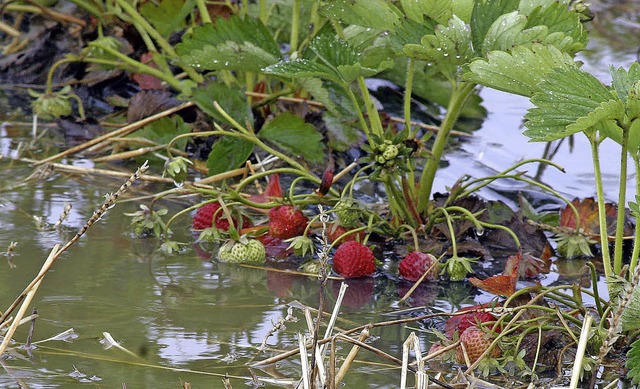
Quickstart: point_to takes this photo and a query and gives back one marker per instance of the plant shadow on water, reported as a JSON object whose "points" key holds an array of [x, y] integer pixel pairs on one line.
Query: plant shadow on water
{"points": [[147, 319]]}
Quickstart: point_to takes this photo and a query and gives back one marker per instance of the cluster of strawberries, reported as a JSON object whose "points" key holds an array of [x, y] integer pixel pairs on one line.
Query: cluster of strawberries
{"points": [[352, 259]]}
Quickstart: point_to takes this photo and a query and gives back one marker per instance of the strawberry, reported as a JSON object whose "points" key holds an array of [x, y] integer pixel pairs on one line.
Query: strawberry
{"points": [[415, 264], [348, 213], [353, 259], [286, 222], [205, 215], [335, 231], [358, 294], [461, 323], [475, 342], [243, 251], [276, 247]]}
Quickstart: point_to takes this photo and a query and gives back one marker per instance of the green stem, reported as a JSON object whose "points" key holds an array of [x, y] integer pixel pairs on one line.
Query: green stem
{"points": [[374, 116], [596, 292], [263, 15], [363, 122], [52, 69], [622, 201], [447, 217], [604, 237], [636, 240], [295, 26], [397, 206], [411, 64], [459, 96], [204, 12], [166, 47]]}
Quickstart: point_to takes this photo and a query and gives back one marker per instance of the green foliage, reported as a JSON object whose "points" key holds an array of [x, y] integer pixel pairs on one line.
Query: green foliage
{"points": [[164, 130], [520, 70], [232, 44], [633, 363], [167, 16], [232, 100], [291, 134], [438, 10], [368, 13], [228, 153], [630, 320], [569, 101]]}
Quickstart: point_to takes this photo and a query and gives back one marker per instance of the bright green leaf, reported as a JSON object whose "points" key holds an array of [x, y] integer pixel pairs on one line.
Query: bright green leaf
{"points": [[560, 21], [438, 10], [301, 68], [518, 71], [630, 320], [291, 134], [633, 362], [164, 130], [378, 14], [411, 32], [623, 81], [228, 153], [508, 31], [485, 13], [234, 44], [566, 96]]}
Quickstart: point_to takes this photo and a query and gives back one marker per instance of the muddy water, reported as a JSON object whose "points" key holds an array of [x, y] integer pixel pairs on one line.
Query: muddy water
{"points": [[186, 319]]}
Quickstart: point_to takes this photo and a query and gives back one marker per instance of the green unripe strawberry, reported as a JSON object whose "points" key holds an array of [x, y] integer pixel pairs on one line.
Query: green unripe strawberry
{"points": [[243, 251], [458, 267], [390, 152]]}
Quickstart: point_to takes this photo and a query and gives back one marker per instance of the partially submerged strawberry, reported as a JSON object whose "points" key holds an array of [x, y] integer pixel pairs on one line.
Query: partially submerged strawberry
{"points": [[286, 222], [476, 342], [353, 259], [460, 323], [335, 231], [211, 214], [415, 264], [244, 250]]}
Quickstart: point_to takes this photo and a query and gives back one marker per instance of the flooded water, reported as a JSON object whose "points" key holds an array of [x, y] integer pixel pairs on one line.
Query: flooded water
{"points": [[183, 318]]}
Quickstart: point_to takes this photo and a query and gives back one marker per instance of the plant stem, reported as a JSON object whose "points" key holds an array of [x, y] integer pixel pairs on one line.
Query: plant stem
{"points": [[204, 12], [460, 93], [374, 117], [411, 64], [604, 237], [622, 200], [363, 122], [295, 26], [263, 15]]}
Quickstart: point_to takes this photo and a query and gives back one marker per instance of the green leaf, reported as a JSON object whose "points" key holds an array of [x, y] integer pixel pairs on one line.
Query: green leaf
{"points": [[485, 13], [630, 320], [623, 81], [233, 44], [232, 100], [167, 16], [605, 111], [518, 71], [164, 130], [300, 68], [438, 10], [228, 153], [633, 363], [560, 21], [565, 96], [410, 31], [368, 13], [448, 48], [291, 134], [508, 31]]}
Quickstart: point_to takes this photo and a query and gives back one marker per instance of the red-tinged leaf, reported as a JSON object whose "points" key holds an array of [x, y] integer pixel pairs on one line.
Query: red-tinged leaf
{"points": [[588, 214], [526, 265], [146, 81], [500, 285], [273, 190]]}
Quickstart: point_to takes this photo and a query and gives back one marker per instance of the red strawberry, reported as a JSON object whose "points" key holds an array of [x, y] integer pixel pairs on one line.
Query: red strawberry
{"points": [[415, 264], [276, 247], [286, 222], [475, 342], [335, 231], [205, 215], [461, 323], [353, 259]]}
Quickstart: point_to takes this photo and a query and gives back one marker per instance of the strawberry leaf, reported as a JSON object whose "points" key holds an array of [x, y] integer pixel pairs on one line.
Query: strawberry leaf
{"points": [[232, 100], [292, 134], [508, 30], [564, 26], [438, 10], [368, 13], [565, 96], [168, 15], [228, 153], [232, 44], [630, 319], [505, 71], [485, 13], [633, 363]]}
